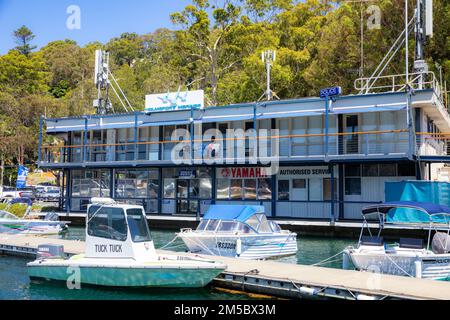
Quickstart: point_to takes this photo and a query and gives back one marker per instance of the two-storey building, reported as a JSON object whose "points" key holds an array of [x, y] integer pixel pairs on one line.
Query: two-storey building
{"points": [[335, 155]]}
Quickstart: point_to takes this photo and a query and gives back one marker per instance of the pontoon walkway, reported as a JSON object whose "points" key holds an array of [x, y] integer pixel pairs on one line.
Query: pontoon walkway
{"points": [[279, 279]]}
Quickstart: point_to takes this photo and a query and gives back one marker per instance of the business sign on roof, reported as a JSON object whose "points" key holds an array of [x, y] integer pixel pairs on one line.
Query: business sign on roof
{"points": [[173, 101]]}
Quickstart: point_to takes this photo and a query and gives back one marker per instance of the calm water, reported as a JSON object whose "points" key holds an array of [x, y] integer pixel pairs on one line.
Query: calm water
{"points": [[15, 284]]}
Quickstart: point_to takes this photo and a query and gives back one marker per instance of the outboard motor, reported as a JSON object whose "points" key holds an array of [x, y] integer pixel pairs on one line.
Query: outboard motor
{"points": [[441, 243]]}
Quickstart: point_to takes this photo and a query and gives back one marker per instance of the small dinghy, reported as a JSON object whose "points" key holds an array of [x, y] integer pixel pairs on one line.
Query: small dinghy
{"points": [[11, 224], [409, 257], [239, 231], [119, 252]]}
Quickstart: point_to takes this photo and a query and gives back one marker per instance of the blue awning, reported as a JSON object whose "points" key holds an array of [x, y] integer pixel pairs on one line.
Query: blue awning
{"points": [[410, 212], [232, 212]]}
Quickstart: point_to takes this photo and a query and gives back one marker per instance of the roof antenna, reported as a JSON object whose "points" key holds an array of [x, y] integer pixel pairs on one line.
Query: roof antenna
{"points": [[103, 84], [268, 57]]}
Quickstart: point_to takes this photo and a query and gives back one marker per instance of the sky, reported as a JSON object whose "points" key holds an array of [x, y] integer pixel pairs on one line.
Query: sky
{"points": [[99, 20]]}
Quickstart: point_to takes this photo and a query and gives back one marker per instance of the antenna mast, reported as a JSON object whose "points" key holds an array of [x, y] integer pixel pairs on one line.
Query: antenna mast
{"points": [[101, 80], [268, 57]]}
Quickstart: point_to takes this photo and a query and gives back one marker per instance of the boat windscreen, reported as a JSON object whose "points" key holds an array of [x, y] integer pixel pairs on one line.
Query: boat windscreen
{"points": [[202, 225], [227, 226], [107, 222], [138, 225]]}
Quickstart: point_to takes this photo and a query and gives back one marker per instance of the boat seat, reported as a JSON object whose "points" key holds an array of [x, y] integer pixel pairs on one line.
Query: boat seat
{"points": [[372, 241], [411, 243]]}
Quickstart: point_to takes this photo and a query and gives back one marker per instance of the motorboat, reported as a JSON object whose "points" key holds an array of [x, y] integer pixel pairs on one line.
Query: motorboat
{"points": [[119, 252], [409, 257], [50, 225], [240, 231]]}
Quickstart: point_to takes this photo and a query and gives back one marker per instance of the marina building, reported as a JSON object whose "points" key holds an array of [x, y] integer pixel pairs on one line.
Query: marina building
{"points": [[335, 153]]}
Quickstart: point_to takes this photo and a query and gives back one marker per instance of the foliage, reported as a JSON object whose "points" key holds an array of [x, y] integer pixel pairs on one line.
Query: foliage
{"points": [[216, 46]]}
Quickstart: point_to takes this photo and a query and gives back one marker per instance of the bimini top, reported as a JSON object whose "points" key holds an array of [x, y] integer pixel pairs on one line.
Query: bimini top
{"points": [[232, 212], [410, 212]]}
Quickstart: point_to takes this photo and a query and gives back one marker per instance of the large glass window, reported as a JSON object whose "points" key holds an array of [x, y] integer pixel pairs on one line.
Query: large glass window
{"points": [[90, 183], [250, 189], [169, 188], [138, 226], [106, 222], [265, 189], [236, 189], [133, 183], [352, 186], [222, 189]]}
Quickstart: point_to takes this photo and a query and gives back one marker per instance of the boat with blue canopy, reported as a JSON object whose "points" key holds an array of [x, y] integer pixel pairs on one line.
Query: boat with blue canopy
{"points": [[409, 257], [241, 231]]}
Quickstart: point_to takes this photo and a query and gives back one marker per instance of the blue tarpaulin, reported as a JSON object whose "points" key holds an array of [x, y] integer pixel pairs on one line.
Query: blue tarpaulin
{"points": [[232, 212], [431, 192]]}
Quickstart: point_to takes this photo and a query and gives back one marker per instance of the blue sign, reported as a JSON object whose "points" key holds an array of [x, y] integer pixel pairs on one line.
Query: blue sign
{"points": [[329, 92], [22, 174]]}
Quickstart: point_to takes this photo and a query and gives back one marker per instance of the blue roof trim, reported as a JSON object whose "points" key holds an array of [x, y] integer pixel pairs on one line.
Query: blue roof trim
{"points": [[232, 212]]}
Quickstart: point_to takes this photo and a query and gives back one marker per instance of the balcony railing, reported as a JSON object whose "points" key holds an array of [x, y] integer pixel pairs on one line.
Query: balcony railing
{"points": [[397, 83], [293, 146]]}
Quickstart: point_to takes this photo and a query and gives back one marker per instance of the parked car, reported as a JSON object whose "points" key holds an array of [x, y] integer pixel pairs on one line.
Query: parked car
{"points": [[9, 192], [49, 193], [27, 192]]}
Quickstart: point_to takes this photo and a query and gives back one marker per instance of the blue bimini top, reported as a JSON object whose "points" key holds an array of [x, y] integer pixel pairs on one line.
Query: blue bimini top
{"points": [[232, 212], [410, 212]]}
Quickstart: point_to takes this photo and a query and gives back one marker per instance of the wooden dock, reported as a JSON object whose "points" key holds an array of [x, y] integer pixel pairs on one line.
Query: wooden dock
{"points": [[279, 279]]}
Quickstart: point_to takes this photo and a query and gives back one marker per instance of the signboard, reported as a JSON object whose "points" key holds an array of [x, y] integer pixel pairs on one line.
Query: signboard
{"points": [[304, 171], [22, 174], [329, 92], [173, 101], [242, 172], [187, 174]]}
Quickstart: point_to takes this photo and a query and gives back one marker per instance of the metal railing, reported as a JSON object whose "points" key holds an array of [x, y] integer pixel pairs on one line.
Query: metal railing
{"points": [[292, 146]]}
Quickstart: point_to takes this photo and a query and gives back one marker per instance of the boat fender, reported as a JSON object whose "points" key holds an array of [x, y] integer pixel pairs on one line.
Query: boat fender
{"points": [[308, 291], [238, 247], [418, 269]]}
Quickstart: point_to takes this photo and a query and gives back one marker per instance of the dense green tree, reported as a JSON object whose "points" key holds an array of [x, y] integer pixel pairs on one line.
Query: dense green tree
{"points": [[23, 37]]}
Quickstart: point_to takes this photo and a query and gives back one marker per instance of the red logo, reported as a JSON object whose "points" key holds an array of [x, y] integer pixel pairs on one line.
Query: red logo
{"points": [[225, 172]]}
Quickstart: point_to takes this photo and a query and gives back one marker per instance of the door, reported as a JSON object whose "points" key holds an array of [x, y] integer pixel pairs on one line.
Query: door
{"points": [[187, 190]]}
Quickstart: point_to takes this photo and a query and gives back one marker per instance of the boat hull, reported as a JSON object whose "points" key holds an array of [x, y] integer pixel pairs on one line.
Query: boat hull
{"points": [[436, 267], [252, 247], [31, 227], [125, 274]]}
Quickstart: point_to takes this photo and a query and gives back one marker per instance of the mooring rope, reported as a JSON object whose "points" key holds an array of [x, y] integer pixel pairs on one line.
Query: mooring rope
{"points": [[327, 260]]}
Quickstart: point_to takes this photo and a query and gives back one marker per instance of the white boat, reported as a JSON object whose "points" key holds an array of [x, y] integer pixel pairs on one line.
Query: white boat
{"points": [[119, 252], [409, 257], [11, 224], [239, 231]]}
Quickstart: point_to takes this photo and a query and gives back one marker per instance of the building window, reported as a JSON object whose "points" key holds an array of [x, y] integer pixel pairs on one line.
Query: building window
{"points": [[250, 189], [132, 183], [352, 186], [90, 183], [236, 189], [283, 189], [388, 170], [222, 188], [265, 189], [352, 170], [370, 170], [407, 170], [169, 188], [299, 183]]}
